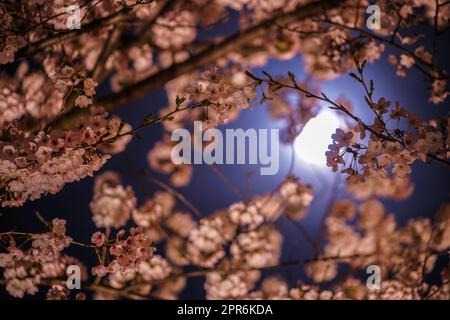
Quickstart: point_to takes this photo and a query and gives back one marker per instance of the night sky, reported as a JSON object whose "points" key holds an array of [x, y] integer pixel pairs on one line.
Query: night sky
{"points": [[209, 193]]}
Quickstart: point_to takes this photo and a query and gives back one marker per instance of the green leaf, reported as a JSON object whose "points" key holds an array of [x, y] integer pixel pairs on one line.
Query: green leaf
{"points": [[354, 76], [355, 59], [363, 65], [179, 100], [147, 119], [249, 74], [267, 75], [292, 77]]}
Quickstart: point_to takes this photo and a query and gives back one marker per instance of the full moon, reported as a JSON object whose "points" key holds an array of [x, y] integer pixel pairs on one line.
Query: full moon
{"points": [[312, 143]]}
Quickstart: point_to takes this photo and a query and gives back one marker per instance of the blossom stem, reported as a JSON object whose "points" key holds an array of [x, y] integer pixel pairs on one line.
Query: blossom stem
{"points": [[30, 235]]}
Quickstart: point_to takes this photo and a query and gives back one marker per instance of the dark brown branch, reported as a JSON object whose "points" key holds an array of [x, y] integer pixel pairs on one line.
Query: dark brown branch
{"points": [[34, 47]]}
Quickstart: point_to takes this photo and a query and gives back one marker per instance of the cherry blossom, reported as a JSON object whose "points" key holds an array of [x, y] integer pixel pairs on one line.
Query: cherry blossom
{"points": [[112, 203], [61, 88], [128, 253], [205, 243]]}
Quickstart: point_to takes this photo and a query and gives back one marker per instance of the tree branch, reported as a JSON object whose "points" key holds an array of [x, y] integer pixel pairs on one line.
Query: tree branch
{"points": [[207, 56], [34, 47], [271, 81]]}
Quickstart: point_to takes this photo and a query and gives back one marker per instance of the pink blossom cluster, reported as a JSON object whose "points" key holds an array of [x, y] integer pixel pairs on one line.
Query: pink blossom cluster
{"points": [[11, 106], [10, 46], [233, 285], [174, 30], [391, 187], [247, 228], [246, 216], [24, 277], [160, 160], [31, 94], [35, 164], [48, 246], [45, 247], [217, 91], [205, 246], [155, 210], [127, 253], [161, 220], [60, 292], [25, 269], [112, 204], [41, 160], [257, 248], [389, 151], [401, 251], [296, 198], [130, 66], [143, 282], [144, 279]]}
